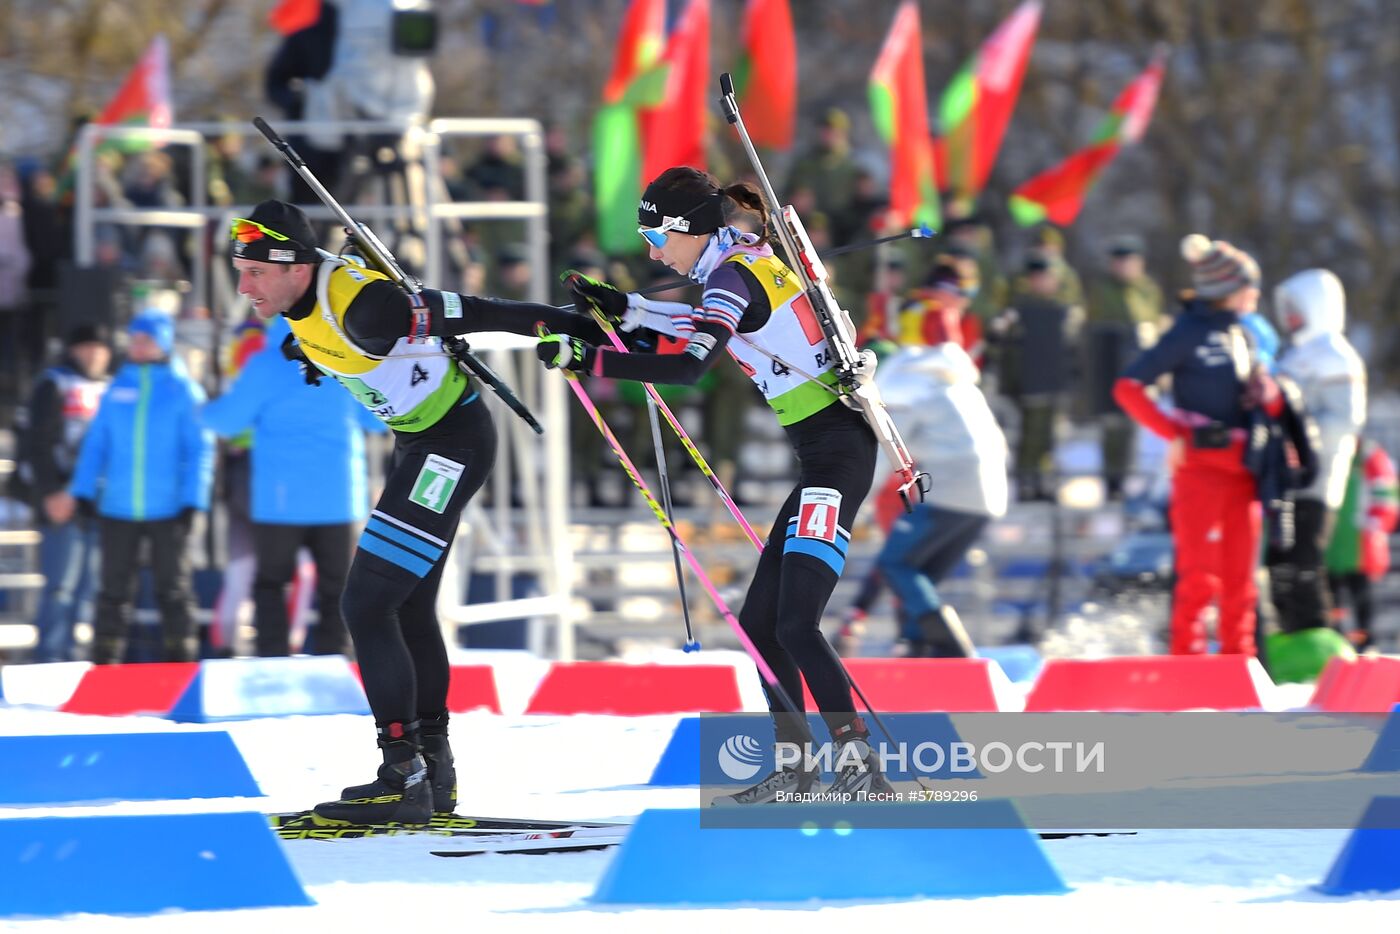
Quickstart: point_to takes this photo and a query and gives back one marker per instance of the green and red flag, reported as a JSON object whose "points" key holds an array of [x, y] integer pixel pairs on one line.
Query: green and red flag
{"points": [[899, 108], [1057, 194], [142, 100], [637, 80], [765, 77], [673, 131], [977, 104]]}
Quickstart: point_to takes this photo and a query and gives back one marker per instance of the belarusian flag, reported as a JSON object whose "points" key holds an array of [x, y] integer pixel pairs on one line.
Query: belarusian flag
{"points": [[977, 104], [144, 98], [766, 74], [1057, 194], [673, 132], [899, 108], [638, 79]]}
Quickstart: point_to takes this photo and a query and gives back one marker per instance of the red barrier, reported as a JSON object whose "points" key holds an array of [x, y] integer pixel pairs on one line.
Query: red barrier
{"points": [[473, 687], [1156, 683], [117, 690], [1358, 685], [635, 690], [912, 685]]}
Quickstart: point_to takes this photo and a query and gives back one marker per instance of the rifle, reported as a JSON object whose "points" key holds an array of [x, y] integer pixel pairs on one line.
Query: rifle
{"points": [[378, 257], [855, 370]]}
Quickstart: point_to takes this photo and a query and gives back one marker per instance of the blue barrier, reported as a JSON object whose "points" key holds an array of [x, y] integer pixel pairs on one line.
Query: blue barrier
{"points": [[241, 688], [122, 766], [679, 764], [722, 749], [668, 858], [141, 864], [1020, 662], [1385, 754], [1370, 860]]}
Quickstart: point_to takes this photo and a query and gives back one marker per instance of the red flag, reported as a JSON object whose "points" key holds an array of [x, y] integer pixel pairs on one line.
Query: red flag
{"points": [[144, 98], [977, 104], [638, 80], [1057, 194], [638, 48], [291, 16], [673, 132], [899, 108], [766, 74]]}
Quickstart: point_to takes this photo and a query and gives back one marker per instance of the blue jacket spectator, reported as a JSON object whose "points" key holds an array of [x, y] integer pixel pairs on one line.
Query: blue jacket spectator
{"points": [[295, 425], [148, 463], [146, 455]]}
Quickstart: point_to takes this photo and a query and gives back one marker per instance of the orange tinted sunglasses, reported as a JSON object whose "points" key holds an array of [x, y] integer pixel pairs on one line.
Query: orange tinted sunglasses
{"points": [[246, 231]]}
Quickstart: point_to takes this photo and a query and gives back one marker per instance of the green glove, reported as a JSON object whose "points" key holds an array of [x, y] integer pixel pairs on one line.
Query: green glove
{"points": [[590, 293], [562, 352]]}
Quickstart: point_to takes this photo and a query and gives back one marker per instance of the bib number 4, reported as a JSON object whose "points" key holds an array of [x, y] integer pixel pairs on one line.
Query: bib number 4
{"points": [[435, 483], [819, 514]]}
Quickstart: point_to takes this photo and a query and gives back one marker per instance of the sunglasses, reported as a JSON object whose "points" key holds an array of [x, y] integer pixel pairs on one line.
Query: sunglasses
{"points": [[656, 236], [246, 231]]}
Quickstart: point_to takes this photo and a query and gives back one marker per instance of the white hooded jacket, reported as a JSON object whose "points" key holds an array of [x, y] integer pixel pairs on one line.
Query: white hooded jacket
{"points": [[1327, 369], [932, 394]]}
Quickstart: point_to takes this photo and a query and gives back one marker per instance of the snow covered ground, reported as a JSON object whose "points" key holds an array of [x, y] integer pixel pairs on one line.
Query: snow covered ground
{"points": [[586, 767]]}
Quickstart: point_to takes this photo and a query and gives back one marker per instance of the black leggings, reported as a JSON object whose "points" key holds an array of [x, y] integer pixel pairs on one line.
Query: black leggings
{"points": [[802, 561], [391, 593]]}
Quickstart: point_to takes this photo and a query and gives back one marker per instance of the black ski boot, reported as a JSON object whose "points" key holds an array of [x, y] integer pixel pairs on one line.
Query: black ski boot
{"points": [[401, 794], [784, 782], [857, 766], [442, 774]]}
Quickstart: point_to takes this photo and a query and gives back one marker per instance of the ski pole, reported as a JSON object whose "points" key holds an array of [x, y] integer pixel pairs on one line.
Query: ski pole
{"points": [[664, 481], [764, 669], [655, 397]]}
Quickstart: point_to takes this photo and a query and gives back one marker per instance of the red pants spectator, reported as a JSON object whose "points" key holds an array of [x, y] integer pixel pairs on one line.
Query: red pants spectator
{"points": [[1215, 516]]}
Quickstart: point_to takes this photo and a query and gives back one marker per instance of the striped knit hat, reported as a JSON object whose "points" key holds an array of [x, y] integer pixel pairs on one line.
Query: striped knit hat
{"points": [[1217, 268]]}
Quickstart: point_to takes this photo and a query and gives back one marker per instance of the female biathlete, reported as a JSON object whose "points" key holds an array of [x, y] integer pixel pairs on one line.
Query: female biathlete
{"points": [[754, 306]]}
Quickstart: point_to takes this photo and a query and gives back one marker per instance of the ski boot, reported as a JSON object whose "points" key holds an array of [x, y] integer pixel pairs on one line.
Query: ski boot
{"points": [[401, 794], [857, 766], [442, 773], [784, 781]]}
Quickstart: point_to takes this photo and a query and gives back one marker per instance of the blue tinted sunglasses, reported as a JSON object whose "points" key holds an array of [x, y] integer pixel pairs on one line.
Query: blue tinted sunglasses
{"points": [[656, 236]]}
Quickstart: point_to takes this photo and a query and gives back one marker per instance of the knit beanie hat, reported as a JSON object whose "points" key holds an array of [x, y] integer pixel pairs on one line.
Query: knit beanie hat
{"points": [[276, 232], [156, 325], [1217, 268]]}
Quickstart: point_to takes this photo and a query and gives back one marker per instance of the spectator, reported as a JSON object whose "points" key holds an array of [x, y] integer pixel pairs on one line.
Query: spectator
{"points": [[1050, 244], [1215, 512], [1359, 552], [14, 271], [145, 468], [1036, 337], [969, 235], [294, 424], [829, 173], [61, 407], [1124, 318], [952, 434], [1311, 307], [937, 312]]}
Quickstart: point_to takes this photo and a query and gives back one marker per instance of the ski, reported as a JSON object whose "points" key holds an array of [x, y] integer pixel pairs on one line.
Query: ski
{"points": [[571, 840], [307, 825]]}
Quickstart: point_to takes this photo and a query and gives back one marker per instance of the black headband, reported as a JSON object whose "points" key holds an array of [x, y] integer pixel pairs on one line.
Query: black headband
{"points": [[697, 214]]}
